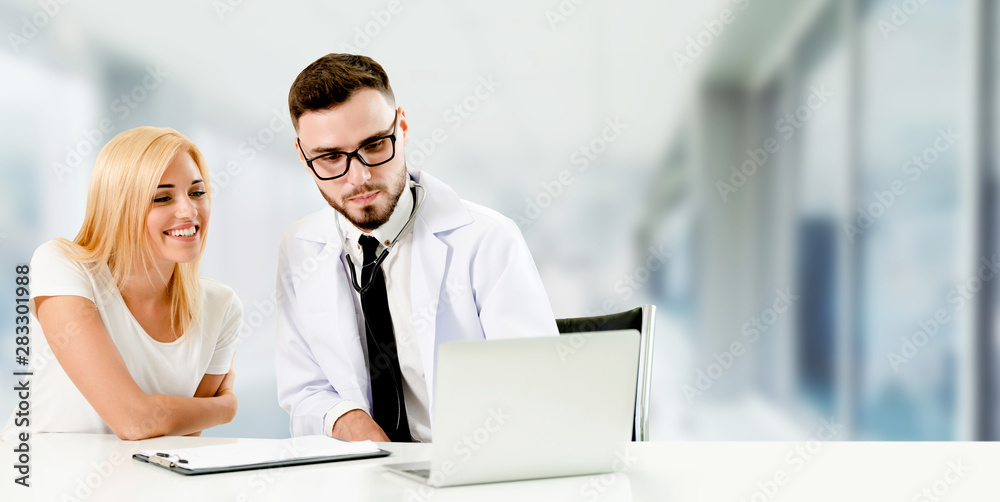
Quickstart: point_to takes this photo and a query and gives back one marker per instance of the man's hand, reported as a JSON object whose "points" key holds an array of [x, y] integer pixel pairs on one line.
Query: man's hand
{"points": [[356, 425]]}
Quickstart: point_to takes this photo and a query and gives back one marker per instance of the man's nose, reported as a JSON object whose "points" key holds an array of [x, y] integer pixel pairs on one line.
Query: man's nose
{"points": [[357, 172]]}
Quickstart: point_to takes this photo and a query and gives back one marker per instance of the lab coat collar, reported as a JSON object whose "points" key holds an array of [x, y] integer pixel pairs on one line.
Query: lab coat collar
{"points": [[442, 209]]}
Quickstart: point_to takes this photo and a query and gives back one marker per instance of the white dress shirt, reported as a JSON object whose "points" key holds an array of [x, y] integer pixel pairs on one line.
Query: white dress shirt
{"points": [[396, 269]]}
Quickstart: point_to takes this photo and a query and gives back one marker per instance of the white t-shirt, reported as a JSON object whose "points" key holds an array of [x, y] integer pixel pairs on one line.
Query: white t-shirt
{"points": [[174, 368]]}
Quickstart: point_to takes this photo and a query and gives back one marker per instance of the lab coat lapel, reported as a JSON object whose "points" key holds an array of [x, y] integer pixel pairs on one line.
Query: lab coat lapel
{"points": [[441, 211], [429, 259], [339, 288], [336, 304]]}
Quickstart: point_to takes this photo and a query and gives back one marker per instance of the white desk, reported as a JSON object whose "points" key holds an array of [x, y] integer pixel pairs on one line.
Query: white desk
{"points": [[67, 467]]}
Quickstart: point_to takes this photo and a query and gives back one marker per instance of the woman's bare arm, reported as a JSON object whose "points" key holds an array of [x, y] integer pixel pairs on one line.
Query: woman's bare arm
{"points": [[81, 344]]}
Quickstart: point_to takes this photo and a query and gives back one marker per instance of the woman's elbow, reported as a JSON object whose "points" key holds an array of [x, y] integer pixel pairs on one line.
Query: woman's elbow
{"points": [[136, 430], [146, 421], [129, 434]]}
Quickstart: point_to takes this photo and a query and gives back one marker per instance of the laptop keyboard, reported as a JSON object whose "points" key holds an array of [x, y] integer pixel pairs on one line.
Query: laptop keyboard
{"points": [[423, 473]]}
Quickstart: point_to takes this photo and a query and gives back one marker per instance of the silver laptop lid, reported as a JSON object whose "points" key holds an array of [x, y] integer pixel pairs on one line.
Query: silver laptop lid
{"points": [[533, 407]]}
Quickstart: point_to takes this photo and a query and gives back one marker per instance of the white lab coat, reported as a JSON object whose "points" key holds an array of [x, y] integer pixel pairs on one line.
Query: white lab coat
{"points": [[472, 278]]}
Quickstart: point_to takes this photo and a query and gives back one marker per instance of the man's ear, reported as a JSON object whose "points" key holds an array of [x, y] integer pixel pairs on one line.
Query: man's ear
{"points": [[298, 151], [404, 125]]}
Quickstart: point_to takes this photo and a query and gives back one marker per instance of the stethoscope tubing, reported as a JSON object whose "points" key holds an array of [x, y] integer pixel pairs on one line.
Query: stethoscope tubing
{"points": [[378, 263], [385, 252]]}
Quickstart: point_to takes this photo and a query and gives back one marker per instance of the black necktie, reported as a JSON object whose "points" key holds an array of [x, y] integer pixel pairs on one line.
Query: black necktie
{"points": [[388, 408]]}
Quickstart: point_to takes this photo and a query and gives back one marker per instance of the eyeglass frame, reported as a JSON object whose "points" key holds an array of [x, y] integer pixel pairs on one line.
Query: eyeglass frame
{"points": [[391, 137]]}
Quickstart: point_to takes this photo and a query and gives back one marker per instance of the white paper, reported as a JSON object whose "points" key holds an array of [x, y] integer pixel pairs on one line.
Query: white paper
{"points": [[265, 451]]}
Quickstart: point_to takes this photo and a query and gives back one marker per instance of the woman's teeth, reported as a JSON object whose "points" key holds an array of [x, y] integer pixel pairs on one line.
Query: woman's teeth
{"points": [[187, 232]]}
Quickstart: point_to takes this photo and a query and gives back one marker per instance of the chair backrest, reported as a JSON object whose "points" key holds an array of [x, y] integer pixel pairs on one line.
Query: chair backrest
{"points": [[642, 319]]}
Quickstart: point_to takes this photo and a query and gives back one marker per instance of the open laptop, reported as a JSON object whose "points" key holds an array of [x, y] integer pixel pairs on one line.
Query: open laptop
{"points": [[530, 408]]}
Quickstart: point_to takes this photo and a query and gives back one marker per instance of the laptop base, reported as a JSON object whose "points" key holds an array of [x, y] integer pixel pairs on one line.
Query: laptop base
{"points": [[417, 471]]}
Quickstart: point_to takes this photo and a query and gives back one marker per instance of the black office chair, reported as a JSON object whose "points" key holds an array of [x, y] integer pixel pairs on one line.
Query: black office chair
{"points": [[642, 319]]}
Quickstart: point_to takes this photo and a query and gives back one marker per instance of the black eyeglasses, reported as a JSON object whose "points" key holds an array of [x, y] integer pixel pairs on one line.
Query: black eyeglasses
{"points": [[333, 165]]}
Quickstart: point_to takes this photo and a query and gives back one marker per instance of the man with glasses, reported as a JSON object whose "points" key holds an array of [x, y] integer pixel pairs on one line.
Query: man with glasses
{"points": [[398, 264]]}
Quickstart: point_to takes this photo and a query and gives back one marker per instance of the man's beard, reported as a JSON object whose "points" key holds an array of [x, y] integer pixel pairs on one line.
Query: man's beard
{"points": [[371, 216]]}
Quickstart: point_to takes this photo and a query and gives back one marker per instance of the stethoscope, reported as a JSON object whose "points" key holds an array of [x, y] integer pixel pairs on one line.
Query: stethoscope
{"points": [[413, 185]]}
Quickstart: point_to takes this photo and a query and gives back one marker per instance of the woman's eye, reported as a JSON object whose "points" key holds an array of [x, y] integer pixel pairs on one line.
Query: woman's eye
{"points": [[161, 200], [198, 194]]}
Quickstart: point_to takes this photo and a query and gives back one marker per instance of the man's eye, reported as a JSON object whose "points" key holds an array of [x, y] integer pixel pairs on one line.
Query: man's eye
{"points": [[375, 145]]}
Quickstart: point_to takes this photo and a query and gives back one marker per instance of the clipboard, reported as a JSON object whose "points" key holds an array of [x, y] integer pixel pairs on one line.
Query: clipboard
{"points": [[263, 454]]}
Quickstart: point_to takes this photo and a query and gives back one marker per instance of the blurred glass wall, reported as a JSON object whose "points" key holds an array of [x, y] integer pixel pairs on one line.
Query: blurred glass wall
{"points": [[845, 165]]}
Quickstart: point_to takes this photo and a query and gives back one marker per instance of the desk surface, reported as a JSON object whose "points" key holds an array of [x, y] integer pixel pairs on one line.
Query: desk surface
{"points": [[99, 467]]}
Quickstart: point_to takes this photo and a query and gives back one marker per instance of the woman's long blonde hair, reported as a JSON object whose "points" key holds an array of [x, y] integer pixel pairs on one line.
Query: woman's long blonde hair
{"points": [[122, 188]]}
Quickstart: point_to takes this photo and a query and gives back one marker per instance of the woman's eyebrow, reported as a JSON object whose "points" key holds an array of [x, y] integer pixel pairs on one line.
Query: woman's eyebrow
{"points": [[171, 185]]}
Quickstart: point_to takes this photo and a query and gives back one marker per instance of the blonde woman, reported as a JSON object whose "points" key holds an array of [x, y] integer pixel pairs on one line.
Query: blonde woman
{"points": [[126, 337]]}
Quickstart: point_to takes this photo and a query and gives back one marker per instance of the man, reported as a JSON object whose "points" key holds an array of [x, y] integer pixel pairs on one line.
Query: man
{"points": [[357, 335]]}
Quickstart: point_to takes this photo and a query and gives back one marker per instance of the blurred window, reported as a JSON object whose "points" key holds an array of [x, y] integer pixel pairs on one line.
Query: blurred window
{"points": [[907, 195]]}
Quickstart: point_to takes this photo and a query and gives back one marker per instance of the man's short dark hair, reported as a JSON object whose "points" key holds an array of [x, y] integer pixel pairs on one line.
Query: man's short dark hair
{"points": [[332, 80]]}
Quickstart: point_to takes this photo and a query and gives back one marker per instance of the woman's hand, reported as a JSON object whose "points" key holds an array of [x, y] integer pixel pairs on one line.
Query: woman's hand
{"points": [[227, 393], [220, 388], [228, 381]]}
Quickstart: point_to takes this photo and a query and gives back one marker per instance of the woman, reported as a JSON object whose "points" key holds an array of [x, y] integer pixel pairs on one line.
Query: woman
{"points": [[126, 337]]}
